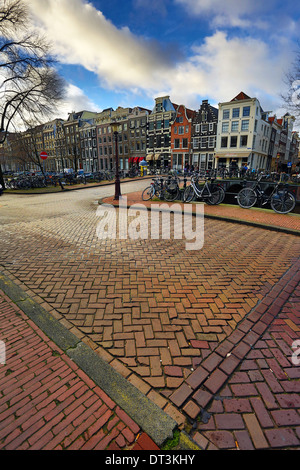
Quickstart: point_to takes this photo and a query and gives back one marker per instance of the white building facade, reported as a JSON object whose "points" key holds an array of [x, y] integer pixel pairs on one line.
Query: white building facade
{"points": [[243, 133]]}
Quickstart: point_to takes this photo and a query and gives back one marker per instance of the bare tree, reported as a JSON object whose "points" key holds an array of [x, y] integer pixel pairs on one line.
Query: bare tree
{"points": [[28, 146], [30, 88], [291, 97]]}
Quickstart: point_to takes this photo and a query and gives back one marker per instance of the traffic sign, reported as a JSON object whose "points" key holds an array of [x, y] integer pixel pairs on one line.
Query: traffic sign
{"points": [[44, 155]]}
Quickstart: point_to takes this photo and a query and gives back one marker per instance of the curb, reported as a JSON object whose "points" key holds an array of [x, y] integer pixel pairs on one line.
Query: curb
{"points": [[152, 419], [78, 189]]}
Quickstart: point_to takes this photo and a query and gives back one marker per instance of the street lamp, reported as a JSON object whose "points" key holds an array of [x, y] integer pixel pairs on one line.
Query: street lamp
{"points": [[114, 126]]}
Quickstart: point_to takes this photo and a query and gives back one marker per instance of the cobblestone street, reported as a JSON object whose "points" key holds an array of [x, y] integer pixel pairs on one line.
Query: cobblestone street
{"points": [[206, 335]]}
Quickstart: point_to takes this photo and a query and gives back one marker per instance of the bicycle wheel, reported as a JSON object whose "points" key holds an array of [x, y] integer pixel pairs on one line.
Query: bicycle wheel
{"points": [[217, 196], [283, 202], [188, 194], [246, 198], [148, 193], [171, 194]]}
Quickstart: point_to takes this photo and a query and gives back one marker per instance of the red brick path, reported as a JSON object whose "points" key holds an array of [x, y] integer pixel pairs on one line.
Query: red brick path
{"points": [[254, 385], [46, 402]]}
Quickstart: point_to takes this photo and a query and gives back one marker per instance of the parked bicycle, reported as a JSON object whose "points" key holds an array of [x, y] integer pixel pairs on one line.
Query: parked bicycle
{"points": [[280, 198], [164, 188], [212, 193]]}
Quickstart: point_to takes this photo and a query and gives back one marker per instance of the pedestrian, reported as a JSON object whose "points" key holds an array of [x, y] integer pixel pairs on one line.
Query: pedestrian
{"points": [[244, 169], [1, 189]]}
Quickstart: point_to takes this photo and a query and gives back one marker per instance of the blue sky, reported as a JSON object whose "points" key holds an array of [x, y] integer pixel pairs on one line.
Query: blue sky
{"points": [[127, 52]]}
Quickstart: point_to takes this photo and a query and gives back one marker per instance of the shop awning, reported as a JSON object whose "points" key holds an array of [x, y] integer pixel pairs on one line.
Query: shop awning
{"points": [[233, 155], [157, 156], [136, 159], [149, 157], [130, 159]]}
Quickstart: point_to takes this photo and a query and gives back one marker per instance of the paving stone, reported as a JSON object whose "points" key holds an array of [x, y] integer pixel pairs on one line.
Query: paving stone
{"points": [[221, 439], [279, 438], [229, 421], [255, 431]]}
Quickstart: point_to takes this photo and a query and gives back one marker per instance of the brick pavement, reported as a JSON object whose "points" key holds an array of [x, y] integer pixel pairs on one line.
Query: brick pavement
{"points": [[251, 400], [46, 401], [162, 316]]}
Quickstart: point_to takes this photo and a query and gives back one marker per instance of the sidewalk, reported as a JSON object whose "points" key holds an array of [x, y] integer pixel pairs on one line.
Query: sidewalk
{"points": [[47, 402], [256, 217]]}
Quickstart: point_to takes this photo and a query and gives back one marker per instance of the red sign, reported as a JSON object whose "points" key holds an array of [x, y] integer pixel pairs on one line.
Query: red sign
{"points": [[43, 155]]}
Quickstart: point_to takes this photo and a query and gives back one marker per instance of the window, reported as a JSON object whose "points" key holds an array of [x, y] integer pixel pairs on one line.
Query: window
{"points": [[196, 142], [175, 130], [235, 126], [245, 125], [233, 141], [196, 159], [203, 142], [225, 126], [166, 123], [184, 143], [246, 111], [226, 114], [211, 141], [204, 128], [177, 160], [197, 128], [181, 130], [158, 124], [151, 141], [176, 144], [224, 142], [202, 161], [236, 112], [211, 126], [244, 141]]}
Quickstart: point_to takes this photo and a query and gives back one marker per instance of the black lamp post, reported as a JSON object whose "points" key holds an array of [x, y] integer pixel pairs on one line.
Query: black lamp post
{"points": [[114, 126]]}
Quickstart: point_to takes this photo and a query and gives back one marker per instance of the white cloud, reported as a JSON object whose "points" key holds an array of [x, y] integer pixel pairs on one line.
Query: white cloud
{"points": [[217, 70], [222, 67], [75, 100], [81, 34], [226, 13]]}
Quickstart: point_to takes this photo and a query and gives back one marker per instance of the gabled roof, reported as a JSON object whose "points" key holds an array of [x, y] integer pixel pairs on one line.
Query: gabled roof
{"points": [[241, 96], [188, 112]]}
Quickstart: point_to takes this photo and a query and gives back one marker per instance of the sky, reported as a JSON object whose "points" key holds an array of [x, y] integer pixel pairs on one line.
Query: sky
{"points": [[128, 52]]}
